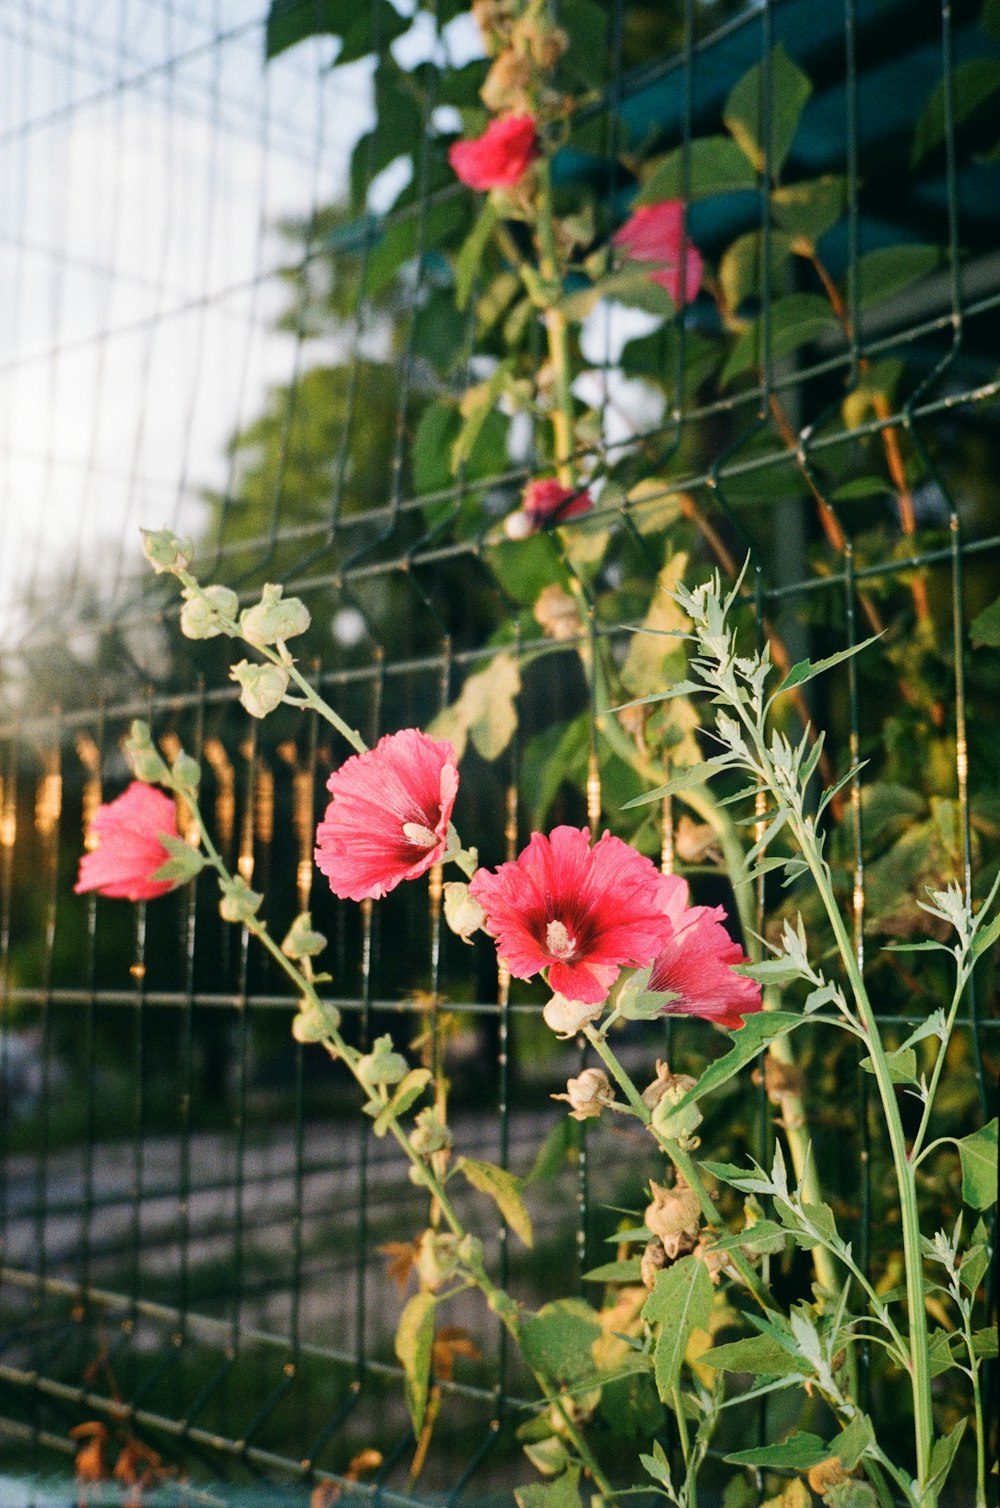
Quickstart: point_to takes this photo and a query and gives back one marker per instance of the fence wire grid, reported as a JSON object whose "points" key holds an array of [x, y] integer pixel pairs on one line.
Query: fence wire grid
{"points": [[230, 310]]}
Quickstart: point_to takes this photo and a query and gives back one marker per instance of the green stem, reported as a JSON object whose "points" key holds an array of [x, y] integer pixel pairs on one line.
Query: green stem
{"points": [[919, 1347], [939, 1061], [977, 1404], [690, 1484], [681, 1160], [563, 414]]}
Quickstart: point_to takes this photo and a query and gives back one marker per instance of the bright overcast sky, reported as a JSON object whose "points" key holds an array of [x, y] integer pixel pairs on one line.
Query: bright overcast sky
{"points": [[137, 250]]}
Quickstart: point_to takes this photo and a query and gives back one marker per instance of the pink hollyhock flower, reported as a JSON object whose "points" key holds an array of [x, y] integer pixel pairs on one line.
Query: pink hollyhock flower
{"points": [[694, 965], [546, 501], [580, 913], [388, 820], [655, 233], [129, 851], [499, 157]]}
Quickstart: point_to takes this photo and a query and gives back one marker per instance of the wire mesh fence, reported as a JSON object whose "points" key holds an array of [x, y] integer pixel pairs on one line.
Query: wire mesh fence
{"points": [[242, 304]]}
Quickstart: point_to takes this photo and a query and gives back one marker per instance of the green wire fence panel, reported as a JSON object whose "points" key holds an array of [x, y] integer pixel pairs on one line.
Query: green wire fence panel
{"points": [[248, 298]]}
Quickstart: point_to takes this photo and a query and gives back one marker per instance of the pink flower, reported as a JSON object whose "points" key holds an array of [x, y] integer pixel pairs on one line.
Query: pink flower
{"points": [[582, 913], [547, 501], [388, 820], [499, 157], [129, 851], [655, 233], [694, 964]]}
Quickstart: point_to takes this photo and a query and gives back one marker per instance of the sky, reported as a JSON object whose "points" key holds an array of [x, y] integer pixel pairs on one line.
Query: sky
{"points": [[147, 155]]}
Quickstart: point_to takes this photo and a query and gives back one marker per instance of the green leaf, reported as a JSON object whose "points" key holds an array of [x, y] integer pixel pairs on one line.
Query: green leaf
{"points": [[974, 1267], [760, 1236], [558, 1340], [985, 1343], [886, 272], [747, 111], [979, 1166], [902, 1065], [973, 83], [683, 781], [680, 1303], [795, 320], [477, 406], [989, 18], [942, 1456], [291, 21], [504, 1189], [799, 1451], [807, 670], [471, 251], [985, 626], [184, 862], [741, 269], [853, 1441], [757, 1031], [562, 1492], [658, 1466], [562, 1144], [809, 208], [861, 487], [414, 1346], [760, 1355], [408, 1092], [716, 166], [485, 710], [615, 1272]]}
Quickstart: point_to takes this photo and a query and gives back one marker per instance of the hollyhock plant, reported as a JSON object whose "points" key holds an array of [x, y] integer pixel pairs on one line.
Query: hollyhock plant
{"points": [[579, 913], [655, 233], [498, 158], [129, 851], [388, 820], [692, 971]]}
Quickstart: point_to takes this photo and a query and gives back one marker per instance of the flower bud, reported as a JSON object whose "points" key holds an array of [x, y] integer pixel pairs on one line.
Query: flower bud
{"points": [[588, 1094], [314, 1021], [437, 1259], [186, 773], [463, 914], [429, 1133], [262, 687], [673, 1216], [519, 525], [204, 609], [382, 1065], [144, 757], [273, 618], [470, 1251], [300, 940], [567, 1017], [165, 551], [239, 903]]}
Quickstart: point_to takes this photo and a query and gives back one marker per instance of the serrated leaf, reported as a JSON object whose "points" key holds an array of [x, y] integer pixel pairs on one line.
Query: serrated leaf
{"points": [[558, 1340], [760, 1236], [406, 1094], [760, 1355], [799, 1451], [748, 1180], [942, 1456], [414, 1348], [504, 1189], [681, 1302], [715, 165], [747, 113], [902, 1065], [615, 1272], [757, 1031], [807, 670], [979, 1166], [853, 1441], [562, 1492]]}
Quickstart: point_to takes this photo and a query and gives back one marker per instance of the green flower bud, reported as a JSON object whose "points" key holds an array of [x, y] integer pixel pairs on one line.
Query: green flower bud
{"points": [[202, 613], [262, 687], [239, 903], [471, 1251], [315, 1021], [273, 618], [165, 551], [186, 773], [143, 756], [382, 1065], [430, 1134], [464, 915], [301, 941]]}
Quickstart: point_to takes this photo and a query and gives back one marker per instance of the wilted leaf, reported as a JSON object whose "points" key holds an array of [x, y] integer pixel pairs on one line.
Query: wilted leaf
{"points": [[414, 1343], [485, 710], [505, 1191]]}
